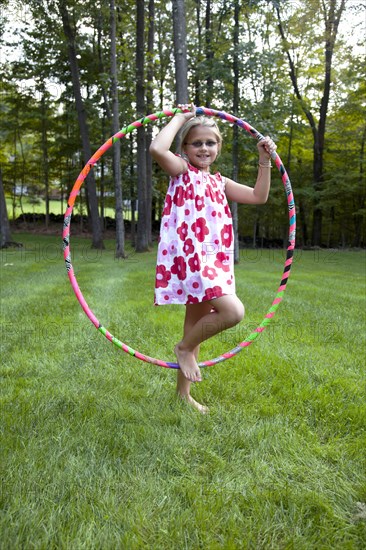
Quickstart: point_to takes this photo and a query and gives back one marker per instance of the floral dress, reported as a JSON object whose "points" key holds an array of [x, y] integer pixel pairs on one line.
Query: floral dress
{"points": [[195, 260]]}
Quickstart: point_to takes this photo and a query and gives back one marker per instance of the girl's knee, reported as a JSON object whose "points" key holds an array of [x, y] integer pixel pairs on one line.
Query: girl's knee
{"points": [[238, 312], [235, 312]]}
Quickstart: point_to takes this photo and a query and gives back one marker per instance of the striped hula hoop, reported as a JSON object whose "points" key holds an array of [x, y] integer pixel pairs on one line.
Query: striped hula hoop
{"points": [[166, 113]]}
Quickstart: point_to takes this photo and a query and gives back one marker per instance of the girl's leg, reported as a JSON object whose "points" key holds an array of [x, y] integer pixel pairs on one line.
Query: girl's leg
{"points": [[194, 312], [228, 312]]}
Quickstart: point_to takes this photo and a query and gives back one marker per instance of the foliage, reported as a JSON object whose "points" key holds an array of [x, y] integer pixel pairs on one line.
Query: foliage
{"points": [[37, 100]]}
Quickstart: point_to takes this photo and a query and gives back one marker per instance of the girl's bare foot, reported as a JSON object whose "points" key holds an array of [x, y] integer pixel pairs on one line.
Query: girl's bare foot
{"points": [[189, 399], [187, 364]]}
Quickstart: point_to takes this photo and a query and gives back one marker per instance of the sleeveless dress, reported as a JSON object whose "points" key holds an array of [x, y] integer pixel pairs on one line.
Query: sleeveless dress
{"points": [[195, 260]]}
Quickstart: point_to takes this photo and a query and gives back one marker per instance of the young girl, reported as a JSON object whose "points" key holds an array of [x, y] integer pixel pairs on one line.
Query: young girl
{"points": [[195, 251]]}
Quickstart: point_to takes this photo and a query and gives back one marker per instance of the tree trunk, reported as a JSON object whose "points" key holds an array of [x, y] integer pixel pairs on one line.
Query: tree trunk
{"points": [[209, 54], [150, 109], [97, 238], [101, 68], [235, 153], [142, 234], [197, 80], [120, 229], [23, 176], [45, 156], [180, 51], [132, 191], [4, 220], [102, 178]]}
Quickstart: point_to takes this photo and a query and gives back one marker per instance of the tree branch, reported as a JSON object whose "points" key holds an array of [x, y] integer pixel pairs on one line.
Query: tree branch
{"points": [[293, 76]]}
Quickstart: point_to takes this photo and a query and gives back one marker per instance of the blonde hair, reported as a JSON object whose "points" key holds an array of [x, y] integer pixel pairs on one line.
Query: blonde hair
{"points": [[192, 123]]}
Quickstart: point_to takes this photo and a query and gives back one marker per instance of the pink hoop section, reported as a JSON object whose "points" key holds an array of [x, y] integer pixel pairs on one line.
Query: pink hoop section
{"points": [[290, 247]]}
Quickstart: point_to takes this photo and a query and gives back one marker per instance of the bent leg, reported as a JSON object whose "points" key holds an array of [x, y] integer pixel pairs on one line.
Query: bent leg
{"points": [[228, 312], [190, 371], [194, 312]]}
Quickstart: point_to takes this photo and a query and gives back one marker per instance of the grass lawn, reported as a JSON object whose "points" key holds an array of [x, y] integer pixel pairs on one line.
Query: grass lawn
{"points": [[97, 452]]}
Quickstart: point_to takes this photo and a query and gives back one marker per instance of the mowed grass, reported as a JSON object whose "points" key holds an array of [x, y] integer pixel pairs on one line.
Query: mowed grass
{"points": [[98, 453], [55, 207]]}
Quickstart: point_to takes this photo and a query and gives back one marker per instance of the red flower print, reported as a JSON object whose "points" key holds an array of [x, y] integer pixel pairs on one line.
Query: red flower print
{"points": [[178, 293], [188, 247], [213, 182], [227, 211], [167, 205], [189, 192], [200, 229], [172, 247], [200, 202], [186, 178], [192, 299], [211, 213], [194, 285], [210, 193], [163, 276], [209, 272], [179, 196], [226, 235], [211, 293], [183, 231], [179, 268], [219, 197], [222, 261], [167, 296], [193, 168], [194, 263]]}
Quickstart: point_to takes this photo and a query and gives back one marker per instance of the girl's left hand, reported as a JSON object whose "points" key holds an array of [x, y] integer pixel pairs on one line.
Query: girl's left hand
{"points": [[266, 147], [188, 110]]}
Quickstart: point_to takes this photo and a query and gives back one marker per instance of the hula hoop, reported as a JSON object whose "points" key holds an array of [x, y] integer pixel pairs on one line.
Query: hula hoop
{"points": [[290, 248]]}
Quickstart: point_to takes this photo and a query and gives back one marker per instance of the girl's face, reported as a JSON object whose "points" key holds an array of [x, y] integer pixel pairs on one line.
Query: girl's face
{"points": [[201, 147]]}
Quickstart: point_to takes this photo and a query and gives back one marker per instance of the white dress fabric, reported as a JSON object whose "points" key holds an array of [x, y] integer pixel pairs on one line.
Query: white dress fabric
{"points": [[195, 260]]}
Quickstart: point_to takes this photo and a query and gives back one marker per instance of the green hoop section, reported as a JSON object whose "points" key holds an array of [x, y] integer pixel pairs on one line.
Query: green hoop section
{"points": [[290, 248]]}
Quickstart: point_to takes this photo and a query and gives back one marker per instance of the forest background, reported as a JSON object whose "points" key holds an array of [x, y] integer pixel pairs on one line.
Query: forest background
{"points": [[73, 73]]}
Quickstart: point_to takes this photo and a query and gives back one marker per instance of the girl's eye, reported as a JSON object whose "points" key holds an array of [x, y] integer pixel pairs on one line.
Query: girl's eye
{"points": [[198, 144]]}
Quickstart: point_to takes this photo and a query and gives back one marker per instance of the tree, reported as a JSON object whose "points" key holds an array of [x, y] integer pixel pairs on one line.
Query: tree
{"points": [[142, 233], [235, 149], [180, 51], [97, 239], [149, 108], [40, 135], [120, 233], [6, 239], [209, 54], [331, 12], [197, 54]]}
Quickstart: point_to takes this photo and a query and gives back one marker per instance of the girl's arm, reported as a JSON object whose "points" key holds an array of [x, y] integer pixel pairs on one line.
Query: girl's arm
{"points": [[259, 193], [160, 147]]}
